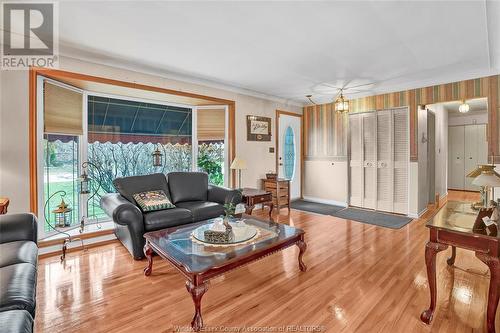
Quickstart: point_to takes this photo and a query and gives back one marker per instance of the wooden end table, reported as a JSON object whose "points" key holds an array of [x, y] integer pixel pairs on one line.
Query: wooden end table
{"points": [[199, 262], [4, 204], [453, 226], [252, 197]]}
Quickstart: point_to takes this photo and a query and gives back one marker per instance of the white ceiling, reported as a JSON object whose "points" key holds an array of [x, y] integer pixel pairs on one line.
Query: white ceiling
{"points": [[290, 49]]}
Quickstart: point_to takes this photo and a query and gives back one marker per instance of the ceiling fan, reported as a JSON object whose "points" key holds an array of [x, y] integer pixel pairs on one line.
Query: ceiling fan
{"points": [[340, 102]]}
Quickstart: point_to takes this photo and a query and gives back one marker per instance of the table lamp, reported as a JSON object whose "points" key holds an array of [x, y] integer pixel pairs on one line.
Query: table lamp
{"points": [[487, 179], [239, 164]]}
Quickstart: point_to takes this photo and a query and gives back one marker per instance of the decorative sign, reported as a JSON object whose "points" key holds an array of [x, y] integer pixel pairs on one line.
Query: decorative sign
{"points": [[258, 128]]}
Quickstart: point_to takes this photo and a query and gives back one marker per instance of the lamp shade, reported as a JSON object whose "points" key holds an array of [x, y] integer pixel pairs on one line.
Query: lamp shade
{"points": [[238, 164], [487, 178]]}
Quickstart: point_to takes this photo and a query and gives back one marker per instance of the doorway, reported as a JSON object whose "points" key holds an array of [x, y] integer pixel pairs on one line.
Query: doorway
{"points": [[461, 143], [289, 150]]}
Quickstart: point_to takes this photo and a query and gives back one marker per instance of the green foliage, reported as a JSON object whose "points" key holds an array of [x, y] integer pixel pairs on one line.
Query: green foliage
{"points": [[229, 209], [210, 160]]}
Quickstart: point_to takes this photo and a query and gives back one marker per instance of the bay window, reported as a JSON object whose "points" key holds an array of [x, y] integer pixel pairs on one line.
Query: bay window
{"points": [[117, 135]]}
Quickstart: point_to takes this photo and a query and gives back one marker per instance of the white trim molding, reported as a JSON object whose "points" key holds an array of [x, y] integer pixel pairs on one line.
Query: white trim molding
{"points": [[325, 201]]}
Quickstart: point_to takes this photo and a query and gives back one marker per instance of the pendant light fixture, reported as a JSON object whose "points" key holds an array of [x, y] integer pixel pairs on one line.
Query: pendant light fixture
{"points": [[341, 104], [464, 107]]}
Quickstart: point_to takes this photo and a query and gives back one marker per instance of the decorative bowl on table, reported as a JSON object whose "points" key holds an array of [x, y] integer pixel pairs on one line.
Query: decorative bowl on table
{"points": [[210, 234]]}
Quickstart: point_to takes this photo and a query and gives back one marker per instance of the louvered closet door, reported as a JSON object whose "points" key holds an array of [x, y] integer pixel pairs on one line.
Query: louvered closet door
{"points": [[370, 160], [384, 161], [400, 175], [356, 160]]}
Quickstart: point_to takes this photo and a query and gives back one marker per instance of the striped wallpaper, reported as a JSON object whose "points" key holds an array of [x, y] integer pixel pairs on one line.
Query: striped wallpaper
{"points": [[325, 131]]}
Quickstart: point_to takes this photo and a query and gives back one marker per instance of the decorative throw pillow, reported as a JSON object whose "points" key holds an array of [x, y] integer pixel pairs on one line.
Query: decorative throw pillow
{"points": [[153, 200]]}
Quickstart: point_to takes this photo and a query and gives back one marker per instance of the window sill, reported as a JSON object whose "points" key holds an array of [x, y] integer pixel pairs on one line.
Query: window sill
{"points": [[90, 231]]}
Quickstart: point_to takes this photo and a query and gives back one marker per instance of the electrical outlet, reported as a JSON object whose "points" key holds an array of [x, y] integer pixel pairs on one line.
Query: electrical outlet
{"points": [[271, 149]]}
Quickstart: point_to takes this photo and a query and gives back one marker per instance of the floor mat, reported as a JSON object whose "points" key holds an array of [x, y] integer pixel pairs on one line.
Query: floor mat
{"points": [[354, 214]]}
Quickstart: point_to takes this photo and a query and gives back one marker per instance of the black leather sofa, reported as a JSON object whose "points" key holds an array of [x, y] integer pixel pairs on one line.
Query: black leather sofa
{"points": [[194, 198], [18, 272]]}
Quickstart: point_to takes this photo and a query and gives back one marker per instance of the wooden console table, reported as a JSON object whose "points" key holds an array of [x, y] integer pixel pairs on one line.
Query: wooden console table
{"points": [[252, 197], [452, 226], [280, 189]]}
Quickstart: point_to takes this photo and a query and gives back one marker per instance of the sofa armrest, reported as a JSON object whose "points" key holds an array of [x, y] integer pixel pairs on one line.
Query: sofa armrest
{"points": [[223, 195], [16, 227], [122, 211]]}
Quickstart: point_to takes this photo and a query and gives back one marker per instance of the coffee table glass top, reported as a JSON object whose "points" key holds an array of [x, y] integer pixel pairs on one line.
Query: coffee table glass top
{"points": [[178, 245], [456, 216]]}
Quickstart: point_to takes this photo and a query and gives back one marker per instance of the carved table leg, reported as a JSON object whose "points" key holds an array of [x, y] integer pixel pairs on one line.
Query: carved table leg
{"points": [[249, 209], [271, 206], [197, 293], [431, 249], [148, 252], [302, 248], [451, 260], [493, 295]]}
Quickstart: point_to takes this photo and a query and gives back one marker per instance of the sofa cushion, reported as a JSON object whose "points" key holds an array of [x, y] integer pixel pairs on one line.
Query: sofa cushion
{"points": [[18, 252], [167, 218], [203, 210], [128, 186], [188, 186], [16, 321], [17, 287]]}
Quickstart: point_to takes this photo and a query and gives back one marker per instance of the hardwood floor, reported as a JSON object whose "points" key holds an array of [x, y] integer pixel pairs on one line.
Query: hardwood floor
{"points": [[360, 278]]}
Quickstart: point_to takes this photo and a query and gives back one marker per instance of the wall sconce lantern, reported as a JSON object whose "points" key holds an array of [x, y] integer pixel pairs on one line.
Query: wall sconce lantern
{"points": [[341, 104], [157, 157], [62, 214]]}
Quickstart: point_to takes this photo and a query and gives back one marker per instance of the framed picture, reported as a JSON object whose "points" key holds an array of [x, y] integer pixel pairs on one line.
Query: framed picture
{"points": [[258, 128]]}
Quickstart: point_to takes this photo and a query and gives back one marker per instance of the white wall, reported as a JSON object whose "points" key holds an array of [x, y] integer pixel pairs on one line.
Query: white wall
{"points": [[14, 168], [441, 173], [423, 185]]}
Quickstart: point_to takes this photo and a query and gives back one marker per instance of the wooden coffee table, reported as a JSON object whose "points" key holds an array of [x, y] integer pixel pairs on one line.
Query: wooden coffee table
{"points": [[199, 263]]}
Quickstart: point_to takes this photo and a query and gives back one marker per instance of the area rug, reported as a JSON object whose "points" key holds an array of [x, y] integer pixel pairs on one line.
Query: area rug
{"points": [[376, 218], [354, 214], [315, 207]]}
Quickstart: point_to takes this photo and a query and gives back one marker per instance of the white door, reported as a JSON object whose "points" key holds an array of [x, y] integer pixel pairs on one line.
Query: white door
{"points": [[401, 137], [370, 160], [289, 152], [470, 155], [384, 161], [482, 144], [456, 157], [356, 160]]}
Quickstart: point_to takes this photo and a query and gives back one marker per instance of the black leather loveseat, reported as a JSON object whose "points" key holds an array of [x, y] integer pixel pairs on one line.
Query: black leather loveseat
{"points": [[194, 198], [18, 269]]}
